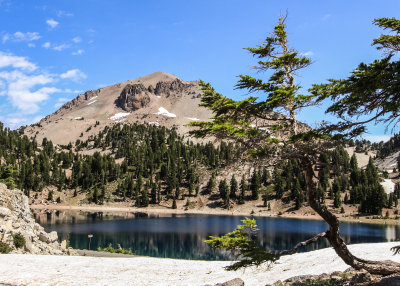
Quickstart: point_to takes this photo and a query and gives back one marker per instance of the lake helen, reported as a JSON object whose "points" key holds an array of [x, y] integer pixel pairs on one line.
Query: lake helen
{"points": [[182, 236]]}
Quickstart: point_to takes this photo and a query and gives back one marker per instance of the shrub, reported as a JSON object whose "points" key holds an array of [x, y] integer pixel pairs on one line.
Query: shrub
{"points": [[119, 250], [4, 248], [19, 240]]}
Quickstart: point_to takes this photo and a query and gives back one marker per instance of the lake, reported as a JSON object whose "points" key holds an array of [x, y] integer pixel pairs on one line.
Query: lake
{"points": [[183, 236]]}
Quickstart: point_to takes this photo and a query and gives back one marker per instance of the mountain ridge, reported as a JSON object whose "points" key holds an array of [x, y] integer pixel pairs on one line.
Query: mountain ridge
{"points": [[158, 98]]}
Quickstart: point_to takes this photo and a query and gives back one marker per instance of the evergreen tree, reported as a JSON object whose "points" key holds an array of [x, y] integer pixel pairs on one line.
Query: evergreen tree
{"points": [[255, 185], [243, 189], [224, 193], [234, 187]]}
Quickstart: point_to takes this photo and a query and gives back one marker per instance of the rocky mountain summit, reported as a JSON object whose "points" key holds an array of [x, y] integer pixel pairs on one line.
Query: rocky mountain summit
{"points": [[16, 220], [158, 99]]}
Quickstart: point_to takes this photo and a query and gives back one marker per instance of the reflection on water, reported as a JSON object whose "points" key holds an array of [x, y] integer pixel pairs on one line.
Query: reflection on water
{"points": [[183, 236]]}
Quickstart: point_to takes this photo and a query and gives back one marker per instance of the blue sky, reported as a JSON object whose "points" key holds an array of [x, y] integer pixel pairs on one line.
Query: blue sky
{"points": [[52, 50]]}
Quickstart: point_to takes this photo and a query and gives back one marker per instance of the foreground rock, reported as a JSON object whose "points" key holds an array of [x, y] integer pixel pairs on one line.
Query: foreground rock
{"points": [[16, 218], [83, 270]]}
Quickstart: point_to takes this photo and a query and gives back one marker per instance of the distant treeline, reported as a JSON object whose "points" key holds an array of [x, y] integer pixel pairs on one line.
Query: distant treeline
{"points": [[156, 164]]}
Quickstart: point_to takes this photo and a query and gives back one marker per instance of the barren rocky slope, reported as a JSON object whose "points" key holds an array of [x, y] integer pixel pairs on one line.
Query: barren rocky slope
{"points": [[16, 218], [158, 98]]}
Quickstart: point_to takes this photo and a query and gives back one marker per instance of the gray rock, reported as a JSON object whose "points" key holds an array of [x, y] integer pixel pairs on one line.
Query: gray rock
{"points": [[53, 236], [43, 236], [360, 278], [133, 97], [64, 244], [16, 225], [390, 281], [16, 217], [233, 282], [4, 212]]}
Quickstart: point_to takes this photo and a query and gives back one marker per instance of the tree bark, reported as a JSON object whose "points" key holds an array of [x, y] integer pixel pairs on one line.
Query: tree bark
{"points": [[386, 267]]}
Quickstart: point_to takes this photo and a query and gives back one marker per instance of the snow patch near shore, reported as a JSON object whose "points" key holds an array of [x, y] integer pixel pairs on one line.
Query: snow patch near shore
{"points": [[82, 270], [163, 111], [119, 115]]}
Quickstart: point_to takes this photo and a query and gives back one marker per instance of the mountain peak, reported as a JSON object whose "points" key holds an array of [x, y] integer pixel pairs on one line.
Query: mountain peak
{"points": [[158, 98], [156, 77]]}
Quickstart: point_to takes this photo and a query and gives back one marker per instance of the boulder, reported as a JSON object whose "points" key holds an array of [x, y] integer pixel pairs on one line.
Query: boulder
{"points": [[133, 97], [16, 217], [233, 282], [4, 212]]}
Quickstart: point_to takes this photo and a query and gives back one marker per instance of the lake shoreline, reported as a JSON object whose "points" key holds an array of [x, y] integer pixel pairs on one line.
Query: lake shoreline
{"points": [[205, 211]]}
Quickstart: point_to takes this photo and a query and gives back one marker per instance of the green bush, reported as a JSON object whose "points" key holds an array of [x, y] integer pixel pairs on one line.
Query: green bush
{"points": [[4, 248], [19, 240], [119, 250]]}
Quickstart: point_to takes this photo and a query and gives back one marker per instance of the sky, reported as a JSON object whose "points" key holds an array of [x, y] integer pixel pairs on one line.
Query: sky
{"points": [[50, 51]]}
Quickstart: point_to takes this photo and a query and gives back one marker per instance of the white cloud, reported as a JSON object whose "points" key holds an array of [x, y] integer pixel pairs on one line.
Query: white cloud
{"points": [[326, 17], [52, 23], [307, 54], [21, 37], [77, 39], [31, 45], [68, 90], [5, 38], [27, 88], [26, 37], [62, 13], [20, 91], [74, 74], [78, 52], [9, 60], [46, 45], [60, 102], [61, 47]]}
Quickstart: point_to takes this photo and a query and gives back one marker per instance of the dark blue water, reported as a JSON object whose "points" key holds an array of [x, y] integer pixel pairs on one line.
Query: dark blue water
{"points": [[183, 236]]}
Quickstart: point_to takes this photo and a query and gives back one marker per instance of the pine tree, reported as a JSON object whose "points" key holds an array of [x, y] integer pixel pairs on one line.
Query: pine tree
{"points": [[255, 185], [234, 187], [224, 193], [243, 189]]}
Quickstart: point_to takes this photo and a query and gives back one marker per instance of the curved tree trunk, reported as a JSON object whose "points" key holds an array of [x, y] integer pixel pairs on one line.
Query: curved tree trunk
{"points": [[386, 267]]}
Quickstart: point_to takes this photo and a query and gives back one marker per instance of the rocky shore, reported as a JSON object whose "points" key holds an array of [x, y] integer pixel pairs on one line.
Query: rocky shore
{"points": [[17, 223]]}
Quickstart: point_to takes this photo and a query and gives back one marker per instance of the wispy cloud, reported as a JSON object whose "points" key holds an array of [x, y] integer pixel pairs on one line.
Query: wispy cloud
{"points": [[77, 40], [61, 47], [27, 88], [78, 52], [61, 14], [46, 45], [31, 45], [52, 23], [10, 60], [60, 102], [21, 89], [21, 37], [307, 54], [326, 17], [74, 74]]}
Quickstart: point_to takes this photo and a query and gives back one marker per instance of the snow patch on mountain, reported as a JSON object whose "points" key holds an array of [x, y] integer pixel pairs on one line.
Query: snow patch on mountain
{"points": [[119, 115], [163, 111]]}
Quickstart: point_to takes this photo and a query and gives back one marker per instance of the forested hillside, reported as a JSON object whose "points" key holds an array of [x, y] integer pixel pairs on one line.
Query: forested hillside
{"points": [[146, 164]]}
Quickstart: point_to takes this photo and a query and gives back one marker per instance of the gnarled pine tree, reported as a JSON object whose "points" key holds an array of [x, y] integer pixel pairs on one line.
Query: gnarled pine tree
{"points": [[255, 123]]}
